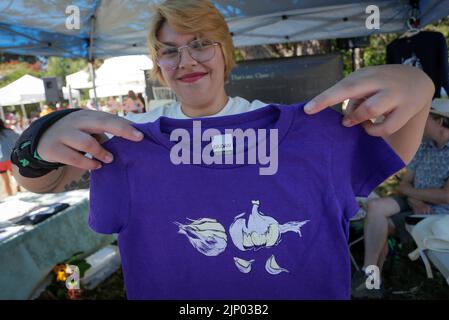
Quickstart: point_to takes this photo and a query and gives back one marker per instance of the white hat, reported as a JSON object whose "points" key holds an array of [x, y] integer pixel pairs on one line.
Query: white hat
{"points": [[440, 107]]}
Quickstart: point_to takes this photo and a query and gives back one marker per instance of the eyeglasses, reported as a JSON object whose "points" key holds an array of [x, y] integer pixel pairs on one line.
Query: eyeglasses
{"points": [[201, 50]]}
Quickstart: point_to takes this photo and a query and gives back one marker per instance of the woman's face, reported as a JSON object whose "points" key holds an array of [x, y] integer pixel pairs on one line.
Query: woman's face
{"points": [[194, 83], [432, 127]]}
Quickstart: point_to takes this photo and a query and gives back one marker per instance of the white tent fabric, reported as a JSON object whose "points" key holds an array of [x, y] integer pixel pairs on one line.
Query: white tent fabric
{"points": [[79, 80], [123, 70], [27, 89], [119, 27], [118, 75]]}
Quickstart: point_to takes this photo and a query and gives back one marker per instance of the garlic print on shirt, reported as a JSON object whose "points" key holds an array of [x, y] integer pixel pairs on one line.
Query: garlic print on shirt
{"points": [[252, 233]]}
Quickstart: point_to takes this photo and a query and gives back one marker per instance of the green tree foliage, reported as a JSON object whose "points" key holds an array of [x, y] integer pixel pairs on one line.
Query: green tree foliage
{"points": [[13, 70], [61, 67]]}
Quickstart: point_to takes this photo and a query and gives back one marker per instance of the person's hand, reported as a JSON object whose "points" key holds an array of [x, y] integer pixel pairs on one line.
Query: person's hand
{"points": [[73, 133], [419, 207], [403, 190], [396, 92]]}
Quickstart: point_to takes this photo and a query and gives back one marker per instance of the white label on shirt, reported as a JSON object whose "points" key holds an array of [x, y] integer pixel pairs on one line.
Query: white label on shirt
{"points": [[222, 144]]}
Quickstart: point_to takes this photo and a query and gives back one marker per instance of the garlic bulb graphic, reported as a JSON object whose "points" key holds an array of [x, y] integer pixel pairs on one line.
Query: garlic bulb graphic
{"points": [[260, 231], [243, 265], [272, 266], [206, 235]]}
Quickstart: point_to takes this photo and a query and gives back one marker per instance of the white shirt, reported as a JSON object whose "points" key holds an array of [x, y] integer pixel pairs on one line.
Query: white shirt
{"points": [[234, 105], [173, 110]]}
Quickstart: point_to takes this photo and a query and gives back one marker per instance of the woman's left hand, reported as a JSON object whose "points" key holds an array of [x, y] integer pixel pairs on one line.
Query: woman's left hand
{"points": [[396, 92]]}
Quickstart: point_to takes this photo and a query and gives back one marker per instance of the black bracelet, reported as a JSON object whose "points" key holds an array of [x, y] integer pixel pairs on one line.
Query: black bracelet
{"points": [[25, 156]]}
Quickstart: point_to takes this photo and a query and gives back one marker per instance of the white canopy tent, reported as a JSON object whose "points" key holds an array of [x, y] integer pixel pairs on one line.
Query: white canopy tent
{"points": [[79, 80], [118, 27], [115, 77], [120, 74], [26, 90]]}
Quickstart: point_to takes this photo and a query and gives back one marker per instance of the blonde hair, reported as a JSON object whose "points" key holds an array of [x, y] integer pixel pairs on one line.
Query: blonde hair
{"points": [[199, 17]]}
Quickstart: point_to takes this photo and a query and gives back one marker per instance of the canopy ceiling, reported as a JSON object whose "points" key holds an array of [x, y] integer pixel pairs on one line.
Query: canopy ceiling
{"points": [[119, 27]]}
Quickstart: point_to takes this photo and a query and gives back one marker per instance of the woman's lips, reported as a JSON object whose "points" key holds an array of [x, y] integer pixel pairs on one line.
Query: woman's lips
{"points": [[192, 77]]}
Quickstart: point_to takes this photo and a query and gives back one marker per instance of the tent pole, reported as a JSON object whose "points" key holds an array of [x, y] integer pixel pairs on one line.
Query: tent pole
{"points": [[70, 95], [24, 111], [2, 113], [91, 58], [92, 74]]}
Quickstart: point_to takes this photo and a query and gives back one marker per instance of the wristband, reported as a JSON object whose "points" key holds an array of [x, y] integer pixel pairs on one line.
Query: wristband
{"points": [[24, 154]]}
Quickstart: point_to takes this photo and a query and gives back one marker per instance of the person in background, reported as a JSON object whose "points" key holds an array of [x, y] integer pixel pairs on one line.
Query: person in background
{"points": [[7, 140], [113, 105], [424, 189], [133, 104], [21, 125], [142, 99], [45, 110]]}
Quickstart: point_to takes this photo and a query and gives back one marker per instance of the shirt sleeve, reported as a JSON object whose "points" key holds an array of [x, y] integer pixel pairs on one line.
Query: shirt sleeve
{"points": [[109, 194], [389, 56], [417, 158], [444, 64], [359, 162]]}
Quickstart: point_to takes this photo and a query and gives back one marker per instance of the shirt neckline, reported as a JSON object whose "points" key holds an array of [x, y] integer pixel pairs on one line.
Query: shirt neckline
{"points": [[433, 144], [182, 115], [281, 118]]}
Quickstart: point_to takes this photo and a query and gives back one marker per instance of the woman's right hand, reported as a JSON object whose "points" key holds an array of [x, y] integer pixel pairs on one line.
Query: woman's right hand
{"points": [[419, 207], [73, 133]]}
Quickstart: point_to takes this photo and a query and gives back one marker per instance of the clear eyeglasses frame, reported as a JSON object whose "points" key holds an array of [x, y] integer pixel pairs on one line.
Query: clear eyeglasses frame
{"points": [[201, 50]]}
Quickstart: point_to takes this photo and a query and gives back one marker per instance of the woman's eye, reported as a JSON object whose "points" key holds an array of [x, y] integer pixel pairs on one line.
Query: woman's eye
{"points": [[169, 52], [197, 45]]}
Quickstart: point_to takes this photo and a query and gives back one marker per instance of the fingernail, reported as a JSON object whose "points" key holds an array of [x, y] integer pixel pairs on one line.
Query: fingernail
{"points": [[98, 167], [309, 106], [347, 122], [137, 134], [108, 158]]}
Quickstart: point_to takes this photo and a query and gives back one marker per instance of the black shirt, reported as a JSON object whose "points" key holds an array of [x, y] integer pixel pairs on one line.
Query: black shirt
{"points": [[426, 50]]}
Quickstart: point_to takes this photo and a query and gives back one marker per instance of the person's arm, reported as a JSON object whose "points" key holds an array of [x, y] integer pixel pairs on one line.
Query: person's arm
{"points": [[65, 142], [431, 195], [401, 94], [418, 206], [66, 178], [405, 142]]}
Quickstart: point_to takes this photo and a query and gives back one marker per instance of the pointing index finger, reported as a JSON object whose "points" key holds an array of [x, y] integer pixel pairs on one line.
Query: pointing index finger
{"points": [[341, 91]]}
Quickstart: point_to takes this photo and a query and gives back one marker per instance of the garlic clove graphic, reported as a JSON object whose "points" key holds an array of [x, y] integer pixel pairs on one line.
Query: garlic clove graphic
{"points": [[206, 235], [273, 235], [273, 267], [258, 239], [243, 265], [260, 231], [294, 226]]}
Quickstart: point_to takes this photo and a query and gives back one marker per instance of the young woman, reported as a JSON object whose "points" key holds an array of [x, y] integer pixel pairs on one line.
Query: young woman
{"points": [[192, 51]]}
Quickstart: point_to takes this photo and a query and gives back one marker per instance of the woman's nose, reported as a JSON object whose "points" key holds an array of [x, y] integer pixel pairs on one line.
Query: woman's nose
{"points": [[185, 59]]}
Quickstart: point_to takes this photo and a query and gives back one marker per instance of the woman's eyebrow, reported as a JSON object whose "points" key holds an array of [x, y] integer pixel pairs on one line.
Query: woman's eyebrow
{"points": [[169, 44], [174, 45]]}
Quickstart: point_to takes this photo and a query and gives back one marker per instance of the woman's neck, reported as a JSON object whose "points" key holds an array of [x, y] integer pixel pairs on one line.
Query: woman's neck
{"points": [[443, 138], [207, 109]]}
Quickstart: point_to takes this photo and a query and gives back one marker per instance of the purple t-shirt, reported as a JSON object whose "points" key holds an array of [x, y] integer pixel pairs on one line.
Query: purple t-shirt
{"points": [[224, 231]]}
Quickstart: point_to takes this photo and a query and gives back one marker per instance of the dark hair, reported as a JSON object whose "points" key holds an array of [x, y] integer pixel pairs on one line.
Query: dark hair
{"points": [[438, 117], [132, 95], [2, 126]]}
